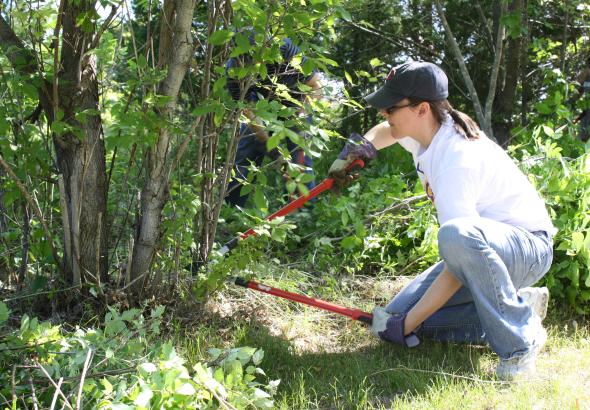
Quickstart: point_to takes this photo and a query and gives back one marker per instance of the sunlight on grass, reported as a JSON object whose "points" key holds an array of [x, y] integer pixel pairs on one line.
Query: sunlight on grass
{"points": [[326, 361]]}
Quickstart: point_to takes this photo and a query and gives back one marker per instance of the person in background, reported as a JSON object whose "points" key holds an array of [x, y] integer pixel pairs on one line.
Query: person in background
{"points": [[252, 147], [495, 236]]}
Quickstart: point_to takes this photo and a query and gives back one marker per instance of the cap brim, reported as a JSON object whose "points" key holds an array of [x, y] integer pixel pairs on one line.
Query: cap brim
{"points": [[383, 99]]}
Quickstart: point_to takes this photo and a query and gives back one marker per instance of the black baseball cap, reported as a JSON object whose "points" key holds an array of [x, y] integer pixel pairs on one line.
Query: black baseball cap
{"points": [[418, 80]]}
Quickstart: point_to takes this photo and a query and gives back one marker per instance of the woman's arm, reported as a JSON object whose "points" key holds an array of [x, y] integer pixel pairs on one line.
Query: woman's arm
{"points": [[380, 135], [439, 292]]}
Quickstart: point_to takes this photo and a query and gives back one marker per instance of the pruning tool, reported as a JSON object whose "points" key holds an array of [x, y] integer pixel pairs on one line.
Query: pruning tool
{"points": [[325, 185]]}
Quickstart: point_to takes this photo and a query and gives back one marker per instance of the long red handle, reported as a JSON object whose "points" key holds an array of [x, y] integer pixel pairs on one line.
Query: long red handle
{"points": [[354, 314], [326, 184], [296, 204]]}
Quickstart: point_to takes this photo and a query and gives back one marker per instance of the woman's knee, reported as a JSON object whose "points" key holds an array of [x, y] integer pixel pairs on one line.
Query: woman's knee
{"points": [[459, 235]]}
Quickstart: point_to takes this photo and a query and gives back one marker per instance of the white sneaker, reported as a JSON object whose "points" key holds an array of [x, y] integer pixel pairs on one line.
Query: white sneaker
{"points": [[518, 368], [537, 298]]}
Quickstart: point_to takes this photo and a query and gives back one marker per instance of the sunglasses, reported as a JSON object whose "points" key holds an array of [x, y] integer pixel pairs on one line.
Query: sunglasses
{"points": [[393, 109]]}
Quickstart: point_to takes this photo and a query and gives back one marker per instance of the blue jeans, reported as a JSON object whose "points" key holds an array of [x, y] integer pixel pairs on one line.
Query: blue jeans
{"points": [[251, 151], [492, 260]]}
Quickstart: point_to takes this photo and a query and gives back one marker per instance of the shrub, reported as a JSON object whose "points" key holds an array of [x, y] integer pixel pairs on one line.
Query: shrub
{"points": [[122, 365]]}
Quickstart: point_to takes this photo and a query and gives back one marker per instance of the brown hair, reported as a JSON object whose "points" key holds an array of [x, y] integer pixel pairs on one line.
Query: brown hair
{"points": [[464, 124]]}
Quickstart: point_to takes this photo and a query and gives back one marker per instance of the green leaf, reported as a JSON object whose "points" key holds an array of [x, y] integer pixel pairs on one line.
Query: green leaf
{"points": [[186, 389], [574, 275], [120, 406], [260, 200], [148, 367], [278, 234], [257, 357], [349, 242], [107, 387], [142, 61], [348, 78], [305, 178], [548, 131], [221, 37], [4, 313], [273, 142], [291, 186], [204, 109], [219, 84], [375, 62], [344, 13], [578, 241], [144, 396], [307, 67], [242, 44]]}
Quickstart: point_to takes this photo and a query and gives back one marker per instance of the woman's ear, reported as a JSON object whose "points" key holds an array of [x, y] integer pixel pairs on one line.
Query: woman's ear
{"points": [[423, 108]]}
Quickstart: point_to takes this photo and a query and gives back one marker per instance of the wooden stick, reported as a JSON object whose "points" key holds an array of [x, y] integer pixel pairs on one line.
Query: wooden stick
{"points": [[54, 400], [84, 370], [58, 389]]}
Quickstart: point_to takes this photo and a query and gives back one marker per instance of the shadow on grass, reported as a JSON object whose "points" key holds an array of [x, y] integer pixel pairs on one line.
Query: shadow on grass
{"points": [[371, 376]]}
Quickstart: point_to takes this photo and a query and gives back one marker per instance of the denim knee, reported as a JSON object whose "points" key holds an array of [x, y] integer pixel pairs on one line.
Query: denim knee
{"points": [[457, 238]]}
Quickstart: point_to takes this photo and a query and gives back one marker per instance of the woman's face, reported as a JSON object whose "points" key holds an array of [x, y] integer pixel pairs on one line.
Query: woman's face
{"points": [[402, 118]]}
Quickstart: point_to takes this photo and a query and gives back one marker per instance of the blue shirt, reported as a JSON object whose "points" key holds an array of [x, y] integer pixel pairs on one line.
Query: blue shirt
{"points": [[283, 72]]}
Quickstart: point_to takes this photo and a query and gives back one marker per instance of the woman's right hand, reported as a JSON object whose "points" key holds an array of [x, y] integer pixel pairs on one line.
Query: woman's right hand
{"points": [[355, 148]]}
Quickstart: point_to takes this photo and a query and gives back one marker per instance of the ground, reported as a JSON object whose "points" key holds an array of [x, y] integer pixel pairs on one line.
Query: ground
{"points": [[326, 361]]}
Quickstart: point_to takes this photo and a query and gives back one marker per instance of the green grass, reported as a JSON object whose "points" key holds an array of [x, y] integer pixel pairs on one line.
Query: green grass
{"points": [[329, 362]]}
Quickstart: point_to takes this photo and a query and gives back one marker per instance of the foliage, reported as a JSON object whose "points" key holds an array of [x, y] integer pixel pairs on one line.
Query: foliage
{"points": [[123, 364], [558, 164], [353, 43]]}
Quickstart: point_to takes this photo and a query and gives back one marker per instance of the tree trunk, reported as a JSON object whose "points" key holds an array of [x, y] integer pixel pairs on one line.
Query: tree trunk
{"points": [[80, 151], [176, 25], [525, 93], [506, 96], [81, 161]]}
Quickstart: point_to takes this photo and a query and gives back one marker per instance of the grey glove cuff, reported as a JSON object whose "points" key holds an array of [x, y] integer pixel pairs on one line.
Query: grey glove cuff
{"points": [[357, 147]]}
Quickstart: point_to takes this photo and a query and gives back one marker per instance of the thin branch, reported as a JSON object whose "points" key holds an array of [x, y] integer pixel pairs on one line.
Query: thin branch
{"points": [[82, 377], [485, 23], [461, 62], [35, 208], [458, 376], [102, 374], [494, 76], [105, 25], [56, 32], [58, 389], [394, 39], [14, 397], [396, 207], [54, 400], [30, 295], [33, 392]]}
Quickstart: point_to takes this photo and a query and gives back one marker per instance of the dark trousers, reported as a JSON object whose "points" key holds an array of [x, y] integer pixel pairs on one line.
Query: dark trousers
{"points": [[251, 151]]}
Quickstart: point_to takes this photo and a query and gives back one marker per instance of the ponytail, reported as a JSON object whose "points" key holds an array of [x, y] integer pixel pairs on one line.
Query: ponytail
{"points": [[464, 124]]}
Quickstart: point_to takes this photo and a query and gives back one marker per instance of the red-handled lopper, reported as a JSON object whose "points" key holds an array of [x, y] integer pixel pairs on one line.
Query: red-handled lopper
{"points": [[325, 185]]}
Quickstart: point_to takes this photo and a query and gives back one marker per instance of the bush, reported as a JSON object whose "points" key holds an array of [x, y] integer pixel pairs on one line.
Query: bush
{"points": [[122, 365]]}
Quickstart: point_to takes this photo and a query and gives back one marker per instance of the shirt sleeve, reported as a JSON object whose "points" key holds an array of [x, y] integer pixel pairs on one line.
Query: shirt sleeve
{"points": [[456, 192], [288, 51], [233, 85]]}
